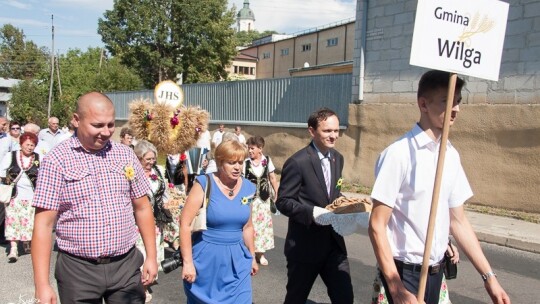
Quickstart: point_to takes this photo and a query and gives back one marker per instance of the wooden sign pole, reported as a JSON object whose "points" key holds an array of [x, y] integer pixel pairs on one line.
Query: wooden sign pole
{"points": [[437, 187]]}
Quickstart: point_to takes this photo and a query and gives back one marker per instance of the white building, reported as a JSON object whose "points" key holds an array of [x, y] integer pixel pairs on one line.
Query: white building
{"points": [[5, 92], [245, 19]]}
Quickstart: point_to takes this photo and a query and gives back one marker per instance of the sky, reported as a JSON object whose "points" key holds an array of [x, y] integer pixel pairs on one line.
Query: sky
{"points": [[75, 21]]}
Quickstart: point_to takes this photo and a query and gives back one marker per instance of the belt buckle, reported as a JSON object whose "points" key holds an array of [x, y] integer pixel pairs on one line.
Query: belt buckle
{"points": [[435, 268], [105, 260]]}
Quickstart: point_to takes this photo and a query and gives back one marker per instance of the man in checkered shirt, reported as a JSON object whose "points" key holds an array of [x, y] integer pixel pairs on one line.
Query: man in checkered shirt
{"points": [[96, 190]]}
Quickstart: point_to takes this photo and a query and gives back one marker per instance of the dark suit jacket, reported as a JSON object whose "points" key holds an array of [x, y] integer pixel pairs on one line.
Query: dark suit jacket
{"points": [[301, 188]]}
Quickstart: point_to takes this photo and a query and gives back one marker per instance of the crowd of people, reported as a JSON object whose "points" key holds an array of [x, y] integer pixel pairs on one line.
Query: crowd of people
{"points": [[22, 148], [107, 201]]}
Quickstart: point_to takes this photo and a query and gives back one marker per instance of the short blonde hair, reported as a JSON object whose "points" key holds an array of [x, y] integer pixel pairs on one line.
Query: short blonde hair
{"points": [[229, 151]]}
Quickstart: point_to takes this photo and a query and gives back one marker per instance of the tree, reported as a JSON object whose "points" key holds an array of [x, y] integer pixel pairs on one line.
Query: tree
{"points": [[80, 73], [245, 38], [20, 59], [164, 38], [29, 102]]}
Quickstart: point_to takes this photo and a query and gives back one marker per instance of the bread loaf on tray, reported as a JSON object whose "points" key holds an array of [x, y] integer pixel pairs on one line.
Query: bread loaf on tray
{"points": [[343, 205]]}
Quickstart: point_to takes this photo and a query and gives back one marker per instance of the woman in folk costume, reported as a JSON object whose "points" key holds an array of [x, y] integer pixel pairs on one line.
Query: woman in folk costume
{"points": [[169, 130], [166, 229], [22, 168], [259, 169]]}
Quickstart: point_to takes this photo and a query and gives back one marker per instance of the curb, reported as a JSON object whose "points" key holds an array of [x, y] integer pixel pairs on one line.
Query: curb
{"points": [[508, 242]]}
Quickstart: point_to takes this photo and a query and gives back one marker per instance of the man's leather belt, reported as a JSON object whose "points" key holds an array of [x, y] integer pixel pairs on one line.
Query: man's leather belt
{"points": [[100, 260], [433, 269]]}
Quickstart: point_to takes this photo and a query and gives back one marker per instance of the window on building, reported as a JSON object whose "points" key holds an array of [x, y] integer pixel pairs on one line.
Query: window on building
{"points": [[244, 70], [266, 55], [306, 47], [332, 42], [235, 69], [285, 52]]}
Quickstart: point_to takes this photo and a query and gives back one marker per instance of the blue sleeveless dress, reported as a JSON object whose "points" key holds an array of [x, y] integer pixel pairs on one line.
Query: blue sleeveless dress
{"points": [[221, 259]]}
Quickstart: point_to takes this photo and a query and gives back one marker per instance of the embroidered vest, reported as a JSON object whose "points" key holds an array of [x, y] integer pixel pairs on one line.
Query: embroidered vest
{"points": [[14, 170], [161, 215], [262, 182]]}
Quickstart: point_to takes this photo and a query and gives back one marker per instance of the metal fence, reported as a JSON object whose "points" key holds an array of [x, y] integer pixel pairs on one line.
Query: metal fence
{"points": [[282, 100]]}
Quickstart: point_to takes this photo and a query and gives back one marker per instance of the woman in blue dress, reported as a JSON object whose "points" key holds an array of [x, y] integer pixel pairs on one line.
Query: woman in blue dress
{"points": [[218, 262]]}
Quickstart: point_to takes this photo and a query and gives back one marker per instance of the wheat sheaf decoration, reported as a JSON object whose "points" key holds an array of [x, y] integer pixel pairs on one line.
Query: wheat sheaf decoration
{"points": [[171, 130]]}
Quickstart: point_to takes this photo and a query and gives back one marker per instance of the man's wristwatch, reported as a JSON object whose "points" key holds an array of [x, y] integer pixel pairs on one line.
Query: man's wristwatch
{"points": [[487, 275]]}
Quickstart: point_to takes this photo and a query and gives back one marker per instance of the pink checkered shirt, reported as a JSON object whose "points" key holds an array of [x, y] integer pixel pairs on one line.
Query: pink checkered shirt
{"points": [[93, 197]]}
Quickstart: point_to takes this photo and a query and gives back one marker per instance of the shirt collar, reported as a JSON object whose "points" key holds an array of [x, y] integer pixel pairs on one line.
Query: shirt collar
{"points": [[77, 145], [423, 140], [321, 156]]}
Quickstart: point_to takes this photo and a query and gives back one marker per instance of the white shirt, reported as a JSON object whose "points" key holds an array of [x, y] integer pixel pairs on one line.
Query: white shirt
{"points": [[259, 170], [8, 144], [64, 136], [204, 140], [217, 138], [42, 148], [212, 167], [25, 191], [241, 138], [50, 138], [405, 175]]}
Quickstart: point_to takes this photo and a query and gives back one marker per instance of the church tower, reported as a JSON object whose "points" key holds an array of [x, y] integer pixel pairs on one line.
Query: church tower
{"points": [[245, 19]]}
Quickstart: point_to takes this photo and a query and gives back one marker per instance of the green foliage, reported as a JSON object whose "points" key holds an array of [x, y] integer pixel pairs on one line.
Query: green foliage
{"points": [[20, 59], [244, 38], [80, 72], [28, 102], [163, 38]]}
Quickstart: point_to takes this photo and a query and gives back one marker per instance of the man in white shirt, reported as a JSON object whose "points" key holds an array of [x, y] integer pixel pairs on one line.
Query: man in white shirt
{"points": [[405, 174], [52, 134], [241, 137], [218, 135]]}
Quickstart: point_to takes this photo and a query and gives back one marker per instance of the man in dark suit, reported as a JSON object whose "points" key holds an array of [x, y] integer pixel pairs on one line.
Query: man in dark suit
{"points": [[308, 182]]}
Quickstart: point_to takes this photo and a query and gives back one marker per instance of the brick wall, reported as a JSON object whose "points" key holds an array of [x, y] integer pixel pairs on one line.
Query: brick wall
{"points": [[388, 42]]}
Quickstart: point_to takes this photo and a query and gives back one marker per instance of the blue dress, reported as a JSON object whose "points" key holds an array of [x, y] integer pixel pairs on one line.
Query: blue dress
{"points": [[221, 259]]}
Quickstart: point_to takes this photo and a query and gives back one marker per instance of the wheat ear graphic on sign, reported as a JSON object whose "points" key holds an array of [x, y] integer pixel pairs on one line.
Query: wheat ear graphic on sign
{"points": [[477, 26]]}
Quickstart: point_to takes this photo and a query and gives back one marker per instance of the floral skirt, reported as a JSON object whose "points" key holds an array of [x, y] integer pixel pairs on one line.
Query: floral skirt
{"points": [[262, 224], [171, 233], [19, 220], [379, 295], [160, 247]]}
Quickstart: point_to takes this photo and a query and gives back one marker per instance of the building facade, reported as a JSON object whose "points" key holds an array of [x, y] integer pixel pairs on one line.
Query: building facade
{"points": [[5, 93], [498, 128], [325, 50]]}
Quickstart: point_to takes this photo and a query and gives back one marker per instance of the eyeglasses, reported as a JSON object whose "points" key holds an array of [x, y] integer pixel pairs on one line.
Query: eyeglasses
{"points": [[15, 128]]}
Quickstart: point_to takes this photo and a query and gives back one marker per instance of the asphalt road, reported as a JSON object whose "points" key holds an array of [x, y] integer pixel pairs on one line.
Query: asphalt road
{"points": [[518, 272]]}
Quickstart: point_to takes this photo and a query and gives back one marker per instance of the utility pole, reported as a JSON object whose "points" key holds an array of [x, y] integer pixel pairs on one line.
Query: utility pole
{"points": [[100, 59], [52, 69], [58, 73]]}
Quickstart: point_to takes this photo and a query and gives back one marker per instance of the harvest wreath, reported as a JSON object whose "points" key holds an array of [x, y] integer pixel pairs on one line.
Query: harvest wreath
{"points": [[171, 130]]}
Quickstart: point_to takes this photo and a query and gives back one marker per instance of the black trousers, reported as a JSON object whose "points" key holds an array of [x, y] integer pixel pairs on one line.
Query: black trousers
{"points": [[411, 281], [334, 272], [118, 282]]}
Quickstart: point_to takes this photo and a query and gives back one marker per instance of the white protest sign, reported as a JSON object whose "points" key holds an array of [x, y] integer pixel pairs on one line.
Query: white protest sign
{"points": [[170, 93], [460, 36]]}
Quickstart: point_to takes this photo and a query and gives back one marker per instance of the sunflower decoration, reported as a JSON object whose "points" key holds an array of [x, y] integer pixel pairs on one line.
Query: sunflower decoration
{"points": [[171, 130]]}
